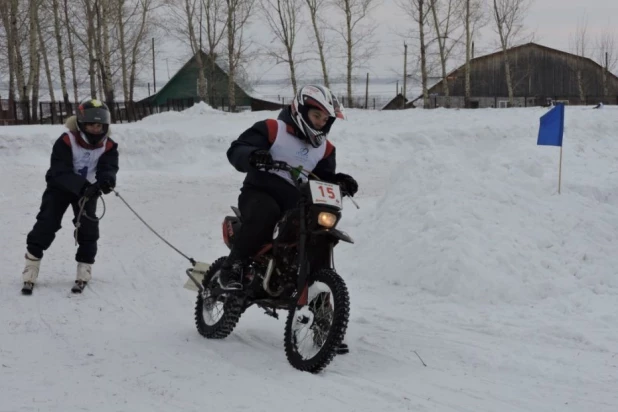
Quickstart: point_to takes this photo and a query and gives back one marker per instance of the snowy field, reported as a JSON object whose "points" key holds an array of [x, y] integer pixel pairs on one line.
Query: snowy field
{"points": [[465, 256]]}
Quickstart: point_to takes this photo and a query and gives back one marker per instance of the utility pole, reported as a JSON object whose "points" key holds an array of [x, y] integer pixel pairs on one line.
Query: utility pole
{"points": [[405, 74], [154, 76], [367, 92]]}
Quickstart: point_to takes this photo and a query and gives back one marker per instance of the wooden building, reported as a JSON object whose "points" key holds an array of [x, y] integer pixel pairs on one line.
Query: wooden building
{"points": [[540, 74], [398, 103]]}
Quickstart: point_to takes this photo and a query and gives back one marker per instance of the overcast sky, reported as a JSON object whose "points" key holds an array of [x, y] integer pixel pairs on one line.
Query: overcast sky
{"points": [[552, 22]]}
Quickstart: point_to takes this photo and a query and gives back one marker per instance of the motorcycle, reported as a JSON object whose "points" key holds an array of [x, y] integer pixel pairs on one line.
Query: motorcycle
{"points": [[294, 272]]}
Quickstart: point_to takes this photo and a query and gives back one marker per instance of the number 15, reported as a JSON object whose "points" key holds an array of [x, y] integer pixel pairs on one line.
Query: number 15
{"points": [[329, 191]]}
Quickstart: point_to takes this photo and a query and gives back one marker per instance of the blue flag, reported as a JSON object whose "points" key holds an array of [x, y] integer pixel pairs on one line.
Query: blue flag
{"points": [[552, 127]]}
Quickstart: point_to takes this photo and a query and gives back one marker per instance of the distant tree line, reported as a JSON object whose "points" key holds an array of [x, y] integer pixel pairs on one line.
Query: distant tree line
{"points": [[105, 45]]}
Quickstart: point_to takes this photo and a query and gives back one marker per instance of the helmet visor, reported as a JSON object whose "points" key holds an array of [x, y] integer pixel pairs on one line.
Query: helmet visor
{"points": [[94, 115]]}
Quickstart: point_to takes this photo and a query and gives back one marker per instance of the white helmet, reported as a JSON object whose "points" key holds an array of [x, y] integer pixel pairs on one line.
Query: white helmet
{"points": [[317, 97]]}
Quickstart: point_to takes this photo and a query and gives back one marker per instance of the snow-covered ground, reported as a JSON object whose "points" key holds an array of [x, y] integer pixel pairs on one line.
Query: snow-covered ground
{"points": [[466, 257]]}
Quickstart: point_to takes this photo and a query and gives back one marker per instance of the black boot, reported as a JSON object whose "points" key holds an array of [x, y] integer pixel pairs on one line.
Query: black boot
{"points": [[230, 276]]}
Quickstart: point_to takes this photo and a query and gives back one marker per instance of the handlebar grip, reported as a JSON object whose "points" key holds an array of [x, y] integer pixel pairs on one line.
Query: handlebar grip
{"points": [[276, 165]]}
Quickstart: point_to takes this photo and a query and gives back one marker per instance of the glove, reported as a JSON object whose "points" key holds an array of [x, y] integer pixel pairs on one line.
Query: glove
{"points": [[346, 183], [260, 158], [106, 187], [92, 191]]}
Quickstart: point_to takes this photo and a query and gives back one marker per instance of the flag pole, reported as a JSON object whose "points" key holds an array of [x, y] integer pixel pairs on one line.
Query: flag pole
{"points": [[560, 170]]}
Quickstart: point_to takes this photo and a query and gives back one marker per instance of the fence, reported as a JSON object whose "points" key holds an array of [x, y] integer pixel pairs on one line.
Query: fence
{"points": [[518, 101], [17, 113], [358, 101]]}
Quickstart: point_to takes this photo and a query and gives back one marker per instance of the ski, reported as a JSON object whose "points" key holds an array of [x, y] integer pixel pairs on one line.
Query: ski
{"points": [[78, 286], [27, 288]]}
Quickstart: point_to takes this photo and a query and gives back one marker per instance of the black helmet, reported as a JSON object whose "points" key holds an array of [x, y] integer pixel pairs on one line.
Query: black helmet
{"points": [[93, 111]]}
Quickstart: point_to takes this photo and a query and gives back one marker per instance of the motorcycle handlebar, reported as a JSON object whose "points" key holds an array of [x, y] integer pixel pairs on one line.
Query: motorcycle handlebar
{"points": [[279, 165], [275, 165]]}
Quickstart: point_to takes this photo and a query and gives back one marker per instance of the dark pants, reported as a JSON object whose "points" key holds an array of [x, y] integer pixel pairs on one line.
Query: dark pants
{"points": [[48, 222], [260, 212]]}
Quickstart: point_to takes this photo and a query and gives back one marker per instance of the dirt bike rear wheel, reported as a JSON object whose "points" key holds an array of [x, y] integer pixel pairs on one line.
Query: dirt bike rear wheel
{"points": [[314, 332], [228, 307]]}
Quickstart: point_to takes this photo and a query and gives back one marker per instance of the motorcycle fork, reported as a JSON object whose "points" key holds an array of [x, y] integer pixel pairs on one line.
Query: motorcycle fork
{"points": [[303, 269]]}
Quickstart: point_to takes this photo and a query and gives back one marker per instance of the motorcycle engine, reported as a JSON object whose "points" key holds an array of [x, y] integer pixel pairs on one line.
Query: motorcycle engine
{"points": [[286, 268]]}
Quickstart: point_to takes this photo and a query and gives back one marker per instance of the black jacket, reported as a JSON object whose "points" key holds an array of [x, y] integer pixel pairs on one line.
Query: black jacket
{"points": [[260, 136], [61, 174]]}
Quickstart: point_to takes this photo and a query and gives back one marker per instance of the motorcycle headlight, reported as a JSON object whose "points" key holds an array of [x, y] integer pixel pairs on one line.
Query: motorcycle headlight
{"points": [[327, 219]]}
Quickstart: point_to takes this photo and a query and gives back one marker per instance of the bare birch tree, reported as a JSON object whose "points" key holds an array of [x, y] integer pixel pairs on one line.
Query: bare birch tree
{"points": [[580, 44], [72, 56], [43, 42], [55, 6], [89, 15], [319, 29], [238, 13], [418, 11], [473, 17], [7, 10], [508, 18], [32, 88], [35, 88], [193, 21], [356, 35], [120, 7], [444, 17], [187, 14], [136, 27], [18, 38], [283, 18], [215, 28], [104, 48], [607, 56]]}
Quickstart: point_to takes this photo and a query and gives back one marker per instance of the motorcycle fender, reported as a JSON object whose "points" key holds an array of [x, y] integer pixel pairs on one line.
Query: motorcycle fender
{"points": [[335, 233]]}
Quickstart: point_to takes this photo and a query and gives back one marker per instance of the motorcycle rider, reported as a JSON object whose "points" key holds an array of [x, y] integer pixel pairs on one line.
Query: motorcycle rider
{"points": [[299, 137]]}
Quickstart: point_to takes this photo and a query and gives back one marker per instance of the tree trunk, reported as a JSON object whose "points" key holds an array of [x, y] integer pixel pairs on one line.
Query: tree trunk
{"points": [[71, 56], [6, 16], [421, 28], [605, 83], [319, 41], [467, 86], [105, 59], [211, 79], [123, 49], [442, 49], [19, 63], [504, 43], [231, 90], [202, 90], [509, 80], [348, 22], [50, 83], [91, 33], [36, 70], [61, 69], [135, 51], [292, 70], [32, 47], [580, 86]]}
